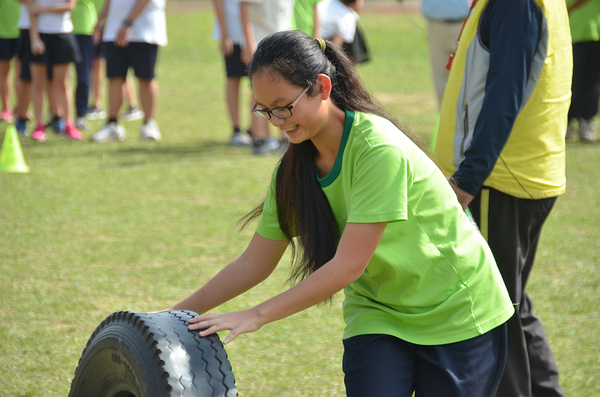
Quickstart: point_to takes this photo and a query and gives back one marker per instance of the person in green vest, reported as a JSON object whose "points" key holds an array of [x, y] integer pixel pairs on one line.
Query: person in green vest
{"points": [[306, 17], [501, 143], [369, 213], [9, 35], [84, 17], [584, 16]]}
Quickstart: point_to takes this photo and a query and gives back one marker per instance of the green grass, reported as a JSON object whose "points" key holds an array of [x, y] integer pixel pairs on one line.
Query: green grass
{"points": [[94, 229]]}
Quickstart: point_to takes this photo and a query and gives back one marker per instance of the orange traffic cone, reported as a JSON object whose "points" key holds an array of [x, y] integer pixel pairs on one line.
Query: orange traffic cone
{"points": [[11, 158]]}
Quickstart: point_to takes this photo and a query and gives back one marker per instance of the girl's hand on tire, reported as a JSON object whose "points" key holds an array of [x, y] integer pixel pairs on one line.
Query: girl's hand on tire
{"points": [[237, 322]]}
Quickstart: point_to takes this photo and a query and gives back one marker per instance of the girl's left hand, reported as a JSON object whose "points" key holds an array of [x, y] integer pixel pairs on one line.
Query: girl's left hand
{"points": [[121, 39], [237, 322]]}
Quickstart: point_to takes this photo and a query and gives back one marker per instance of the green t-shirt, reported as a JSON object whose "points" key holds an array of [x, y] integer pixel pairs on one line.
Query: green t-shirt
{"points": [[9, 16], [84, 18], [432, 279], [303, 17]]}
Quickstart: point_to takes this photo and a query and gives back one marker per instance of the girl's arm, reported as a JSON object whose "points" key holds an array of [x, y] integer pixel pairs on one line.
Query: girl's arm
{"points": [[136, 10], [37, 45], [317, 23], [248, 29], [253, 266], [226, 43], [356, 247], [59, 8], [99, 28]]}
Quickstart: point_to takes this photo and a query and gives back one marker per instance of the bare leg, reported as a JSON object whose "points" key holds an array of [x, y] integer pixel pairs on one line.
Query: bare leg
{"points": [[148, 94], [60, 87], [38, 82], [115, 96], [130, 92], [259, 127], [4, 84], [233, 97], [23, 91], [97, 82]]}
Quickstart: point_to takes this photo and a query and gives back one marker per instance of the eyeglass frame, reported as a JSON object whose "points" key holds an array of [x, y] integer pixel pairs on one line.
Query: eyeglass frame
{"points": [[260, 112]]}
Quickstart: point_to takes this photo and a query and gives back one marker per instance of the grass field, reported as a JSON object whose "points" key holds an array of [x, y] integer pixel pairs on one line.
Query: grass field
{"points": [[94, 229]]}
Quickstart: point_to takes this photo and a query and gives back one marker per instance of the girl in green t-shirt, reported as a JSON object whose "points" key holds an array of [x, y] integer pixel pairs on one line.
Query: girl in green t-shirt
{"points": [[367, 212]]}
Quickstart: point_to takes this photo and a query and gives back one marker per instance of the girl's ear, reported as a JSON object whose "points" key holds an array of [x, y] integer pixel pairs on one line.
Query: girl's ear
{"points": [[324, 83]]}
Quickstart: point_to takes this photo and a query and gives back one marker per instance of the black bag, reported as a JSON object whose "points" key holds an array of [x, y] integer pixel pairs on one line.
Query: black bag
{"points": [[358, 50]]}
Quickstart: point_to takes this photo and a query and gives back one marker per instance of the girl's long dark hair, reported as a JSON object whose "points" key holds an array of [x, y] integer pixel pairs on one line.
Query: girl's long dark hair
{"points": [[302, 208]]}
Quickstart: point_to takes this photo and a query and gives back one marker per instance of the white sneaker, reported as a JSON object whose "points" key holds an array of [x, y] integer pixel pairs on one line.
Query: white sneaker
{"points": [[109, 132], [149, 131], [587, 130]]}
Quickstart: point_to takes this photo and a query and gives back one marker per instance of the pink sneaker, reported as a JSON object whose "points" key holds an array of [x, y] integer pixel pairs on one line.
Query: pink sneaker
{"points": [[71, 132], [6, 115], [40, 133]]}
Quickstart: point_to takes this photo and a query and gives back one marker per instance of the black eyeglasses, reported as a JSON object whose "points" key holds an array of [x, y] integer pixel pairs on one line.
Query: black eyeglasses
{"points": [[282, 112]]}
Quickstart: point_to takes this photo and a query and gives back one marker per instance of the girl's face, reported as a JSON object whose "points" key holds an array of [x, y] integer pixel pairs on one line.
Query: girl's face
{"points": [[307, 114]]}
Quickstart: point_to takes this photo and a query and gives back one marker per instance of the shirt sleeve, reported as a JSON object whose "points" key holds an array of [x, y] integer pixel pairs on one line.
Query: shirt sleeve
{"points": [[511, 30], [380, 186], [268, 225]]}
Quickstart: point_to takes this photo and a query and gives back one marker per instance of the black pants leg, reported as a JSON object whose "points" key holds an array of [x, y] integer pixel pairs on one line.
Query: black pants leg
{"points": [[512, 227], [83, 69], [586, 80]]}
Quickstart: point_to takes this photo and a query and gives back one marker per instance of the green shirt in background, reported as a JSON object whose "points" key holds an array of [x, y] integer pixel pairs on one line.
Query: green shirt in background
{"points": [[432, 279], [9, 16], [585, 22], [84, 18], [304, 16]]}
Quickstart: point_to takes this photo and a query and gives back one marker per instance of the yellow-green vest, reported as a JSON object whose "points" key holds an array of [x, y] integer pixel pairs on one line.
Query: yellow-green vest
{"points": [[532, 164]]}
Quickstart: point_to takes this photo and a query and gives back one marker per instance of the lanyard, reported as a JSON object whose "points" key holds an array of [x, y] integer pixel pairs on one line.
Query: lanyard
{"points": [[451, 58]]}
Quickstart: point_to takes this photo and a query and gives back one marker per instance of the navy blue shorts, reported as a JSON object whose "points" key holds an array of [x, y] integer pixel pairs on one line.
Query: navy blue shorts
{"points": [[8, 49], [61, 48], [386, 366], [139, 56], [234, 65]]}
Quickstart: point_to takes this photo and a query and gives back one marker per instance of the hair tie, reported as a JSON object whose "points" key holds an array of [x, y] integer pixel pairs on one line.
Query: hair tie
{"points": [[321, 44]]}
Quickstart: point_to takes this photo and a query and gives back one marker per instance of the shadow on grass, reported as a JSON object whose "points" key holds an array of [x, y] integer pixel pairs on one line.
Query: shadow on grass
{"points": [[130, 153]]}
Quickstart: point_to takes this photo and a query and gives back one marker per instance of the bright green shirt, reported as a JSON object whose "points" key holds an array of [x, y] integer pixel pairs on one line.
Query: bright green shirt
{"points": [[84, 18], [304, 16], [585, 22], [432, 279], [9, 16]]}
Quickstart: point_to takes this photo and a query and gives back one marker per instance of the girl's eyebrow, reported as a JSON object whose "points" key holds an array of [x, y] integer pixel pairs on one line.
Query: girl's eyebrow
{"points": [[278, 100]]}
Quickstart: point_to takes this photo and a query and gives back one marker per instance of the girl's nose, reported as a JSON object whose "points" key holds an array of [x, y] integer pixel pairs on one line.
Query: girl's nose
{"points": [[276, 121]]}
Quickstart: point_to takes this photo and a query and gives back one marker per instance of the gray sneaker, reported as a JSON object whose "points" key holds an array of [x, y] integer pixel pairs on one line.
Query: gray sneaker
{"points": [[241, 138], [82, 123], [109, 132], [587, 130], [132, 114], [149, 131], [261, 147]]}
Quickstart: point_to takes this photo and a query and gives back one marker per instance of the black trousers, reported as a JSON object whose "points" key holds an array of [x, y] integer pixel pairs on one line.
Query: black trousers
{"points": [[586, 80], [512, 227], [83, 69]]}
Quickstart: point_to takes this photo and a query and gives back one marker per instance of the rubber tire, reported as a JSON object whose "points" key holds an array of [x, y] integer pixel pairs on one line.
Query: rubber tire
{"points": [[132, 354]]}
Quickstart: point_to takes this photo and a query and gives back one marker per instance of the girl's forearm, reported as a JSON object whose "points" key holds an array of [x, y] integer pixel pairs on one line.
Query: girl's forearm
{"points": [[244, 272], [355, 250]]}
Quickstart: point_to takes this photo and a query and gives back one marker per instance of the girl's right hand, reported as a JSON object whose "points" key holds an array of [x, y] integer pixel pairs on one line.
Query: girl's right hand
{"points": [[248, 52], [37, 47], [226, 46]]}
